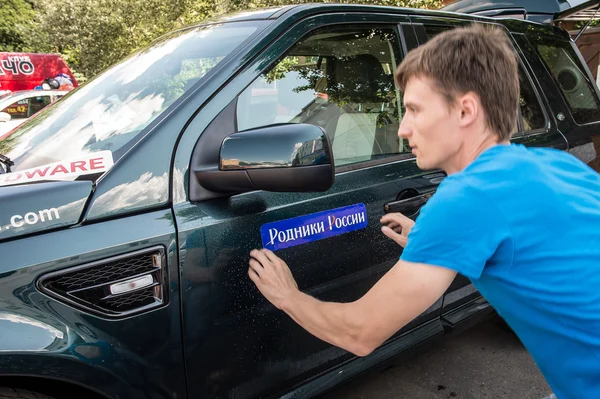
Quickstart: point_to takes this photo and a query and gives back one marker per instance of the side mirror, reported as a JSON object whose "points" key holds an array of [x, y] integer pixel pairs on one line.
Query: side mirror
{"points": [[280, 158], [4, 117]]}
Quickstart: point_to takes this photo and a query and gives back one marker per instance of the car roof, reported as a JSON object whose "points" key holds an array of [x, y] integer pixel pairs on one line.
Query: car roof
{"points": [[301, 10]]}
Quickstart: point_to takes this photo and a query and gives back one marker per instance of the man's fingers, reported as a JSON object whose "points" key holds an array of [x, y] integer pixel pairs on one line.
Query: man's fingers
{"points": [[397, 218], [253, 276], [256, 266], [399, 239], [394, 226], [260, 257], [271, 256]]}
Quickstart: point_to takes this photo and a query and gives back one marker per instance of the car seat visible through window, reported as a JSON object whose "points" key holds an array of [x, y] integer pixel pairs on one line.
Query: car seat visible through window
{"points": [[359, 89]]}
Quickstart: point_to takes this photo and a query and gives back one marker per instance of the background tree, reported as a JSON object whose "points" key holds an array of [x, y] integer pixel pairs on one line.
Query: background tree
{"points": [[94, 34], [17, 21]]}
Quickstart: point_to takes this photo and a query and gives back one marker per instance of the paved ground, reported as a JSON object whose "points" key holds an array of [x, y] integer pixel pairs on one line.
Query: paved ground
{"points": [[483, 362]]}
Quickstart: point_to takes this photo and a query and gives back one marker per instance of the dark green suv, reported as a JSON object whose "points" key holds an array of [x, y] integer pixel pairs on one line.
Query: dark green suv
{"points": [[128, 210]]}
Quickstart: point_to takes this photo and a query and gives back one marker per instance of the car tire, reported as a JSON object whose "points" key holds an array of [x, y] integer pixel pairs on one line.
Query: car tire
{"points": [[16, 393]]}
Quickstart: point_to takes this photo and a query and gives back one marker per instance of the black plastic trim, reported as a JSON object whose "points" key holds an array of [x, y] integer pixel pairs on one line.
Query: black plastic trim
{"points": [[273, 179], [207, 152], [358, 365], [67, 298]]}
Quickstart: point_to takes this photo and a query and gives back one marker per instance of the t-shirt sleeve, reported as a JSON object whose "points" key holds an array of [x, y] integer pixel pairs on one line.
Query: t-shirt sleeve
{"points": [[459, 228]]}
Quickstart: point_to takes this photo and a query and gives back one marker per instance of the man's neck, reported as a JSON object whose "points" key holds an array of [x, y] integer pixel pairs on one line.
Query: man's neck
{"points": [[469, 153]]}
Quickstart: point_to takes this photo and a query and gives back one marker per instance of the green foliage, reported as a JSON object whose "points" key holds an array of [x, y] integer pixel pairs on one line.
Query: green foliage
{"points": [[16, 22], [94, 34], [277, 73], [254, 4]]}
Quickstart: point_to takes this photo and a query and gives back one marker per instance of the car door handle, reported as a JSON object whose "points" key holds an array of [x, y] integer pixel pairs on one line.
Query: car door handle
{"points": [[409, 206]]}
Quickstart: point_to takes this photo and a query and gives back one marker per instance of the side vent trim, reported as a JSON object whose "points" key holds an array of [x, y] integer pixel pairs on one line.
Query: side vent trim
{"points": [[114, 287]]}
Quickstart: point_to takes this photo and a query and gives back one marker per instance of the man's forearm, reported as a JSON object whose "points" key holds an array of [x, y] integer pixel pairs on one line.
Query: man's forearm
{"points": [[340, 324], [403, 293]]}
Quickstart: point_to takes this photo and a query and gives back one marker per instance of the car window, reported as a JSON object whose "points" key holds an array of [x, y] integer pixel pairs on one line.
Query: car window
{"points": [[18, 110], [340, 79], [111, 112], [561, 60], [530, 113], [532, 116], [38, 103]]}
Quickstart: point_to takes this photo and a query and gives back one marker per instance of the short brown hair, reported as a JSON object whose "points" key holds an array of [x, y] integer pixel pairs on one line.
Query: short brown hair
{"points": [[470, 59]]}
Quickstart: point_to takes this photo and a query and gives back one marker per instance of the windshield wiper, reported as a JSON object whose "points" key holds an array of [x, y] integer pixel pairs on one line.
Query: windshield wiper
{"points": [[7, 162]]}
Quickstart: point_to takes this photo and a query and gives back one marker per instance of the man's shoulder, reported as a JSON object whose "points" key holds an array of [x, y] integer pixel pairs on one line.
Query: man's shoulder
{"points": [[505, 158], [501, 158], [510, 168], [457, 193]]}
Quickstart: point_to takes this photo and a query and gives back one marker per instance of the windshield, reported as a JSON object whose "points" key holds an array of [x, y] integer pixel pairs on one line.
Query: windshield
{"points": [[109, 113]]}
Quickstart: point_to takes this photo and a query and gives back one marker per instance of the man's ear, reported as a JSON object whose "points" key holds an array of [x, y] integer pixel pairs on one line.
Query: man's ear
{"points": [[469, 107]]}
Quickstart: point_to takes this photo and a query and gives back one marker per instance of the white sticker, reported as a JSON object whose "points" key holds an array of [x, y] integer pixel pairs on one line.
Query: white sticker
{"points": [[31, 218], [97, 162]]}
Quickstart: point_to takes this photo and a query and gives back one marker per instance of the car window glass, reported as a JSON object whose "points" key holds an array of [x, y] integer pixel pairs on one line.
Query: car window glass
{"points": [[37, 103], [18, 110], [531, 113], [566, 69], [341, 80], [116, 108]]}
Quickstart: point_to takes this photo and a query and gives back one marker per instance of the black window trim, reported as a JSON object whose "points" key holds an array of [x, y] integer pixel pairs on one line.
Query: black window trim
{"points": [[392, 25], [535, 85], [522, 132], [214, 131]]}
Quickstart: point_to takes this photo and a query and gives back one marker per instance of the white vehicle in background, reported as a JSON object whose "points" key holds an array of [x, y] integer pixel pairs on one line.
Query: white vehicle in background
{"points": [[17, 107]]}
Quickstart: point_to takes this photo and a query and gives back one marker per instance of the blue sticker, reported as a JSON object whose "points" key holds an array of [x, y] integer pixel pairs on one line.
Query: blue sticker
{"points": [[308, 228]]}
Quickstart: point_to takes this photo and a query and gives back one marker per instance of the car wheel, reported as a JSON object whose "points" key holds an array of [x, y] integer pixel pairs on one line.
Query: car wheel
{"points": [[16, 393]]}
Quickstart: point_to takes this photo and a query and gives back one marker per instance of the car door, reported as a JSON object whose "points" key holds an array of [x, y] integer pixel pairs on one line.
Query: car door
{"points": [[336, 72], [534, 128], [569, 84]]}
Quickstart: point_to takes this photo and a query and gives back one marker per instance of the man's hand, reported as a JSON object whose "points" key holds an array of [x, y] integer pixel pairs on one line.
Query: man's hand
{"points": [[272, 277], [397, 227]]}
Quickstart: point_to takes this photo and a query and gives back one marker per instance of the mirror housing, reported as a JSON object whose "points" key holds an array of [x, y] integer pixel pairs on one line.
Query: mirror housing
{"points": [[4, 117], [279, 158]]}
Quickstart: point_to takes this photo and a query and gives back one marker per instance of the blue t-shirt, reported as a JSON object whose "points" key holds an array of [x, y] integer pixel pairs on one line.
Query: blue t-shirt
{"points": [[524, 226]]}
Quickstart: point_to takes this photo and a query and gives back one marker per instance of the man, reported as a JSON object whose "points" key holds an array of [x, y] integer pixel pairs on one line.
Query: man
{"points": [[523, 224]]}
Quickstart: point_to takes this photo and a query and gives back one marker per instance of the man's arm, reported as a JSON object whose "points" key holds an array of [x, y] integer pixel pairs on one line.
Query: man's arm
{"points": [[401, 295]]}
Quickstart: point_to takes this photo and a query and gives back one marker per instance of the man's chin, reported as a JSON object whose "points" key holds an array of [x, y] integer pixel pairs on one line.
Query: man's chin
{"points": [[424, 165]]}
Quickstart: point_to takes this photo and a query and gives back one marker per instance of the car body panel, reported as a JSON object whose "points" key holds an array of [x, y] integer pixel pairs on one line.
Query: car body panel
{"points": [[215, 335], [215, 239], [138, 357], [34, 208]]}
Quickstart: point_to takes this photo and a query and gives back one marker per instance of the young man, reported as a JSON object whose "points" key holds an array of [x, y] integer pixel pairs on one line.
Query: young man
{"points": [[523, 224]]}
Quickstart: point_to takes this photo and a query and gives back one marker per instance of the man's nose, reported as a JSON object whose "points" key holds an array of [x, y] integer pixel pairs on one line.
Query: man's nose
{"points": [[404, 130]]}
